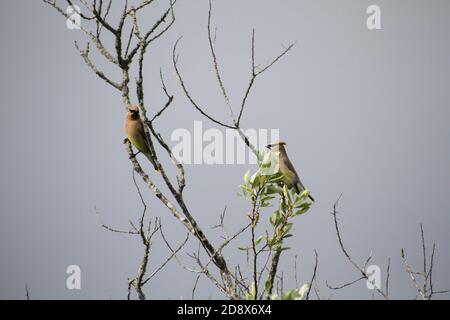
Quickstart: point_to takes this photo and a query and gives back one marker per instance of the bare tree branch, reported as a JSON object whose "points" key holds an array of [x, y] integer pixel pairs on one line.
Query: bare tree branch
{"points": [[313, 278], [361, 270], [27, 292], [174, 253], [186, 92], [85, 55], [345, 284], [255, 73], [408, 269], [216, 65], [426, 288], [387, 276]]}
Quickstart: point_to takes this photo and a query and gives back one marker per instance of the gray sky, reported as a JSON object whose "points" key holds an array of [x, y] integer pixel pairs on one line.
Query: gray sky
{"points": [[364, 113]]}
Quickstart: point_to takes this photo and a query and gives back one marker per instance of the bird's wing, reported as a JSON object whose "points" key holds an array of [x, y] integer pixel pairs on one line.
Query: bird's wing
{"points": [[143, 137], [137, 136], [145, 147], [297, 182]]}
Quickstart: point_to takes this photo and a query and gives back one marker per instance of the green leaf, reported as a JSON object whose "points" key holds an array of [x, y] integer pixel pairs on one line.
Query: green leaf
{"points": [[303, 291], [254, 177], [267, 158], [276, 245], [303, 205], [265, 165], [286, 194], [265, 204], [267, 198], [274, 218], [287, 228], [304, 194], [279, 231], [283, 206], [260, 155], [251, 295], [301, 211], [273, 188], [296, 294], [267, 285], [256, 220], [247, 177], [288, 295], [277, 177], [258, 241]]}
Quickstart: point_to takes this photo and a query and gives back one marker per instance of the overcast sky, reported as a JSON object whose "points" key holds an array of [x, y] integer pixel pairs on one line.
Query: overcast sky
{"points": [[364, 112]]}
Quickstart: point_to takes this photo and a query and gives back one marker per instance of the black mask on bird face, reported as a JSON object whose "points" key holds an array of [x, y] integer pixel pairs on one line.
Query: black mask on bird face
{"points": [[134, 112], [275, 146]]}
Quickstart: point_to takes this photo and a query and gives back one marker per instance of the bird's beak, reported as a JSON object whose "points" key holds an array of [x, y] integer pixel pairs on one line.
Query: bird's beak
{"points": [[269, 146]]}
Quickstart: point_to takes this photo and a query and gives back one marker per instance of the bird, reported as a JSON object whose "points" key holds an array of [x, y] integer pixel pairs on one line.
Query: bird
{"points": [[135, 132], [290, 176]]}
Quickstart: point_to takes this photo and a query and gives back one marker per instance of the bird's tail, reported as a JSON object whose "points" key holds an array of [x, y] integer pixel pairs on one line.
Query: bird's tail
{"points": [[150, 158]]}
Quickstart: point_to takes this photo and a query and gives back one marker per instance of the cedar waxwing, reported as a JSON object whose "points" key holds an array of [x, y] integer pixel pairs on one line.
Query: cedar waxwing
{"points": [[290, 176], [134, 130]]}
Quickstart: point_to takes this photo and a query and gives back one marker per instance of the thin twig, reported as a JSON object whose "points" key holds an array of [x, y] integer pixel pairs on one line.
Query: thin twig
{"points": [[364, 275], [313, 278]]}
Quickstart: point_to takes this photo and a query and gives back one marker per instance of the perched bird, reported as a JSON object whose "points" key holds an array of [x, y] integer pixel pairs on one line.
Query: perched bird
{"points": [[290, 176], [134, 130]]}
